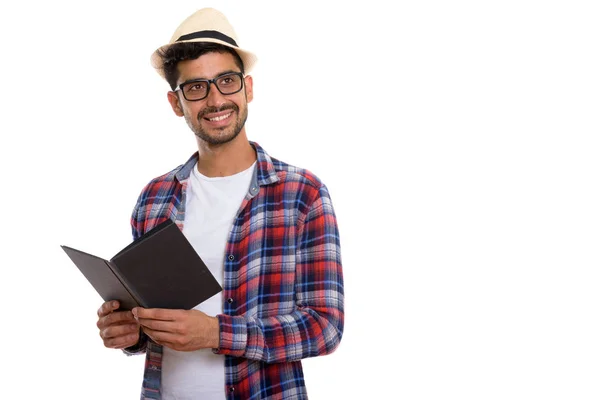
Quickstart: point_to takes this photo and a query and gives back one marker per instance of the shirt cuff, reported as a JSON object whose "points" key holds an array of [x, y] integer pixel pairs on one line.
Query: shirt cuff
{"points": [[139, 347], [233, 335]]}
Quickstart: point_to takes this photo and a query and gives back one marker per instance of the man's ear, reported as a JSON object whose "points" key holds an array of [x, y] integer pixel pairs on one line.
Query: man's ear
{"points": [[248, 88], [175, 103]]}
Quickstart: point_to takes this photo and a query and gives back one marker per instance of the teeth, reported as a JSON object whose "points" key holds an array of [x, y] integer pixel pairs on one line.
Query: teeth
{"points": [[221, 118]]}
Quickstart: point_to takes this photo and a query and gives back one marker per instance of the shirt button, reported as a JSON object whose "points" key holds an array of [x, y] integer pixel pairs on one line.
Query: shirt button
{"points": [[230, 300], [231, 257], [231, 389]]}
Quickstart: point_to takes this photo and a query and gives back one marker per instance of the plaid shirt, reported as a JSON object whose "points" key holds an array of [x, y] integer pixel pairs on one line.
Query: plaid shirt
{"points": [[282, 283]]}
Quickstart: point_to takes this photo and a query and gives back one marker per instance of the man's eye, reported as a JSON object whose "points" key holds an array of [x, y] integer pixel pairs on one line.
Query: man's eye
{"points": [[197, 87], [226, 81]]}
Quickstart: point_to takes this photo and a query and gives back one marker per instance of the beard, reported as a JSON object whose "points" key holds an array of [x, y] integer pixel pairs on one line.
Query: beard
{"points": [[225, 135]]}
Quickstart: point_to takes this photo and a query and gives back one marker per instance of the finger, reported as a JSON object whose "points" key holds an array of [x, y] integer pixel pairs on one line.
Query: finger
{"points": [[118, 330], [162, 326], [118, 317], [162, 314], [164, 338], [108, 307], [122, 342]]}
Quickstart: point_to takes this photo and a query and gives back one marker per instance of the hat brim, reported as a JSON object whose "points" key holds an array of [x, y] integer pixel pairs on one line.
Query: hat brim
{"points": [[248, 58]]}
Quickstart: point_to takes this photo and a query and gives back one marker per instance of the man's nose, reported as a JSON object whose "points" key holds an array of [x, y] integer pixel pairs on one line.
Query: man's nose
{"points": [[214, 98]]}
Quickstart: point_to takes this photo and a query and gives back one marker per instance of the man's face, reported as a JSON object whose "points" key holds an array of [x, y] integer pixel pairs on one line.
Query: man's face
{"points": [[218, 118]]}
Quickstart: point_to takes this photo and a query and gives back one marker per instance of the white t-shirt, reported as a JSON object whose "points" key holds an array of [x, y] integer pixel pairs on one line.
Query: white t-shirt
{"points": [[211, 204]]}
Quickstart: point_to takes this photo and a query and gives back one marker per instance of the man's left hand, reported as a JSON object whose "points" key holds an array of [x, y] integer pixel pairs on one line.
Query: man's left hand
{"points": [[182, 330]]}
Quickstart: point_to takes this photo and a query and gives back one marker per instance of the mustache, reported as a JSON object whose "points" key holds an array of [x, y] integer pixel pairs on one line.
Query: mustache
{"points": [[211, 110]]}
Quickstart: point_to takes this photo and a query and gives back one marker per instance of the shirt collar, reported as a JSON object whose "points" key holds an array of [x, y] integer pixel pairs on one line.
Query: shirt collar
{"points": [[264, 173]]}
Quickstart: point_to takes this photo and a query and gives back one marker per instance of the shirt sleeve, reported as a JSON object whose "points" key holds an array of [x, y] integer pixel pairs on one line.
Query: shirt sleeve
{"points": [[141, 345], [315, 327], [136, 223]]}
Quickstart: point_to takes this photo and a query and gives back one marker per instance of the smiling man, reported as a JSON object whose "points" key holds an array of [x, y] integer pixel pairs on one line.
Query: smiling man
{"points": [[267, 231]]}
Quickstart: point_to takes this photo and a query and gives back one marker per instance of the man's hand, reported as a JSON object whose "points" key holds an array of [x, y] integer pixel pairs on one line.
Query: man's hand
{"points": [[118, 329], [182, 330]]}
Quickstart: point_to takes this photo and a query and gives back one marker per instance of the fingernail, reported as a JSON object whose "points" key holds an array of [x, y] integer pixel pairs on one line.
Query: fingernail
{"points": [[134, 312], [115, 304]]}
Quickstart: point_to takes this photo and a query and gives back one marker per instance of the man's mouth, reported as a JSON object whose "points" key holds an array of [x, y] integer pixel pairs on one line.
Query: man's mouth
{"points": [[219, 117]]}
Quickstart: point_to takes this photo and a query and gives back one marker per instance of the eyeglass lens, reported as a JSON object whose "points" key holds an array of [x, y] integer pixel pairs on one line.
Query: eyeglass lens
{"points": [[226, 84]]}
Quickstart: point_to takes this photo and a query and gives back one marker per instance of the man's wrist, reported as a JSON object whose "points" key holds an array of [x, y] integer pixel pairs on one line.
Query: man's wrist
{"points": [[214, 332]]}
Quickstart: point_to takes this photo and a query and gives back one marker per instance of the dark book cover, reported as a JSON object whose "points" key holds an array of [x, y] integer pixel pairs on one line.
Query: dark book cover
{"points": [[160, 269]]}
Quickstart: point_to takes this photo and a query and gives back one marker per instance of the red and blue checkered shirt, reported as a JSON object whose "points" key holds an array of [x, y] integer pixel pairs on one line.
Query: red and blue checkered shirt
{"points": [[282, 283]]}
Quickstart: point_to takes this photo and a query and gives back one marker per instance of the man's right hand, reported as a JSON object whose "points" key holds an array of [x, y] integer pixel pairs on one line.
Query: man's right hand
{"points": [[118, 329]]}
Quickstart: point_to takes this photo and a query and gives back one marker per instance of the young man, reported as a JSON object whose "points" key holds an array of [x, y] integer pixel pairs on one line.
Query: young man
{"points": [[267, 230]]}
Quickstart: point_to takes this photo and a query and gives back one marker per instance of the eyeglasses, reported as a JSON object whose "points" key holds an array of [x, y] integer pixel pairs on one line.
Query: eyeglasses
{"points": [[197, 89]]}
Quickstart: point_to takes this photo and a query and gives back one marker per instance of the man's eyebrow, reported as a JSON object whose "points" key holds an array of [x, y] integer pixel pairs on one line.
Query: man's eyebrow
{"points": [[229, 71]]}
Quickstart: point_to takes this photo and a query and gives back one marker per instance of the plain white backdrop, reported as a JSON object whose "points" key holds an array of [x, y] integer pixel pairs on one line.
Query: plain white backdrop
{"points": [[459, 141]]}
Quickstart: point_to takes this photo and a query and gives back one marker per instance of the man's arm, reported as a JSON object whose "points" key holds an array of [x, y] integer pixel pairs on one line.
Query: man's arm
{"points": [[315, 327], [136, 231]]}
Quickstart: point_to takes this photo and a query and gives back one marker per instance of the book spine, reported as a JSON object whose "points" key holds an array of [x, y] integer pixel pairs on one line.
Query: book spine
{"points": [[126, 284]]}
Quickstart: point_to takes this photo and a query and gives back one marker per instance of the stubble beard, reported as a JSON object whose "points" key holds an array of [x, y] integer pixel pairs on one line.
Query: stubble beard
{"points": [[227, 134]]}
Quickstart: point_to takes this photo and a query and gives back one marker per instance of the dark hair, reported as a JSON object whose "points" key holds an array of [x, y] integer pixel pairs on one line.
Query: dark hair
{"points": [[190, 51]]}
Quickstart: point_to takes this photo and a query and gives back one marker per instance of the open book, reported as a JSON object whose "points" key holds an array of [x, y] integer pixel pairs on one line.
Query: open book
{"points": [[161, 269]]}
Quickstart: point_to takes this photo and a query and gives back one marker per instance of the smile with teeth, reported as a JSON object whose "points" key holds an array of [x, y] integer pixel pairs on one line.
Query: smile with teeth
{"points": [[219, 118]]}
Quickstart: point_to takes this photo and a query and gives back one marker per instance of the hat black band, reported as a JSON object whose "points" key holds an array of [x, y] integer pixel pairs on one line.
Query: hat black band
{"points": [[208, 34]]}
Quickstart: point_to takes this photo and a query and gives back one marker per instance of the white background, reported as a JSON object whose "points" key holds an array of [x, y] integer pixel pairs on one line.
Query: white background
{"points": [[459, 141]]}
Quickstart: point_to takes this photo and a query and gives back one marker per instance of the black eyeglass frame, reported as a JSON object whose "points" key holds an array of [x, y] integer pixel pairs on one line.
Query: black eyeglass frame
{"points": [[214, 82]]}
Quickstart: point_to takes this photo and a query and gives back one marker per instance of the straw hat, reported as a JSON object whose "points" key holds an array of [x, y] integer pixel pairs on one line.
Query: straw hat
{"points": [[205, 25]]}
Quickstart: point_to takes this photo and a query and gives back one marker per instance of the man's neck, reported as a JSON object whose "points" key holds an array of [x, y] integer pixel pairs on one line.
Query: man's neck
{"points": [[225, 159]]}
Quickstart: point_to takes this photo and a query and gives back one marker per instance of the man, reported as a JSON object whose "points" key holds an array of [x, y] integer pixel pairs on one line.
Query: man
{"points": [[267, 231]]}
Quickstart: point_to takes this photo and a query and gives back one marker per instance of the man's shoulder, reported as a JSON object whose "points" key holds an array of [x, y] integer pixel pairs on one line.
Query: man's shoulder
{"points": [[167, 178], [171, 179], [272, 169], [289, 173], [161, 186]]}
